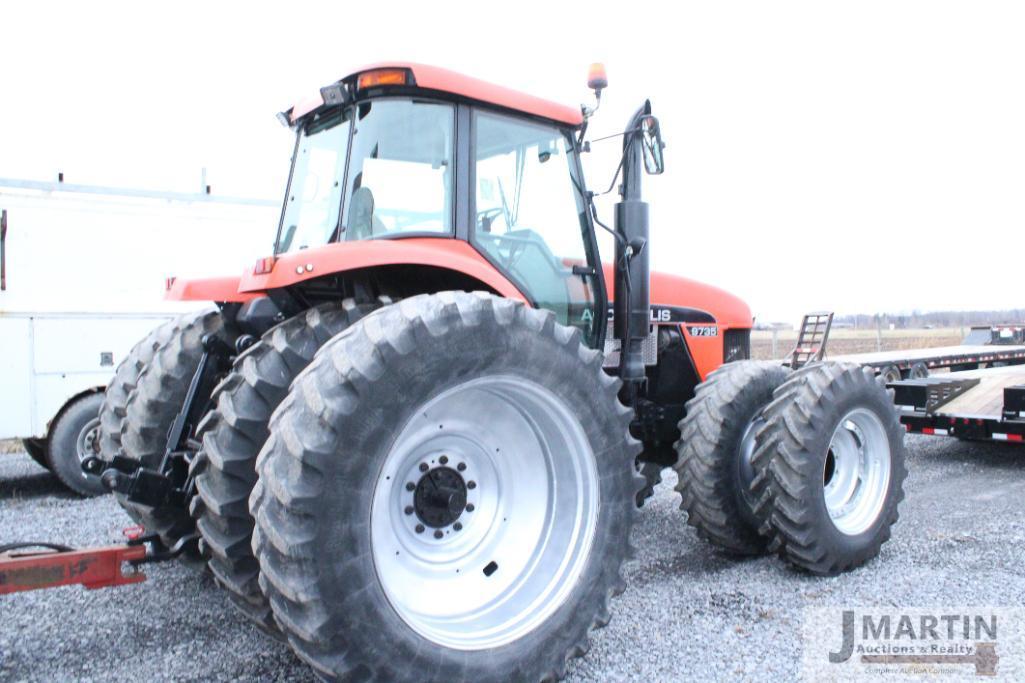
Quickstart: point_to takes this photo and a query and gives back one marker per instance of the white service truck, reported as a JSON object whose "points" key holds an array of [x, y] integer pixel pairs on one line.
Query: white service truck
{"points": [[82, 276]]}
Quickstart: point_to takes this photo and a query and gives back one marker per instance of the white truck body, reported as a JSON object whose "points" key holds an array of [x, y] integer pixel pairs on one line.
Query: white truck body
{"points": [[85, 273]]}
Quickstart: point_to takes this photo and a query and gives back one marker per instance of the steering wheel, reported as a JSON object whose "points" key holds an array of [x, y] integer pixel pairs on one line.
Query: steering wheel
{"points": [[520, 242], [487, 216]]}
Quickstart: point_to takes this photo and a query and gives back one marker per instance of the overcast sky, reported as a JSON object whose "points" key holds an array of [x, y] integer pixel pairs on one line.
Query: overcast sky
{"points": [[857, 156]]}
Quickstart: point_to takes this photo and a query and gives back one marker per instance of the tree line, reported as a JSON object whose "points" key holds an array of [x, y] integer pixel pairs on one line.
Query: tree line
{"points": [[918, 319]]}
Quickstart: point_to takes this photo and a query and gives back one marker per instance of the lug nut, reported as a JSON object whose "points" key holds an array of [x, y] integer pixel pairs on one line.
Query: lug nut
{"points": [[469, 507], [419, 528], [471, 485], [409, 509], [424, 467], [461, 466], [438, 533], [457, 526], [410, 486], [443, 459]]}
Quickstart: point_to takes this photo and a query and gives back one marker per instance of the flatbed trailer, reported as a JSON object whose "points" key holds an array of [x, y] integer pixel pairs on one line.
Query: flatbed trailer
{"points": [[987, 404], [954, 357], [985, 346]]}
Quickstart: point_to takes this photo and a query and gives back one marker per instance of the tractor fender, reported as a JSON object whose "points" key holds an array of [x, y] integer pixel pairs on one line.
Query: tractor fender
{"points": [[224, 289], [341, 257]]}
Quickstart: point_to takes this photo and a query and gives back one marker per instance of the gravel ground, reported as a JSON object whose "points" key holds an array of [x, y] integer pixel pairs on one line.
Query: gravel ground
{"points": [[688, 614]]}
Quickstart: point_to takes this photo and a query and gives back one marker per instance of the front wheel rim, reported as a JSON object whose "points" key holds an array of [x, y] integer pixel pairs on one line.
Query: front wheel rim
{"points": [[856, 472], [484, 512]]}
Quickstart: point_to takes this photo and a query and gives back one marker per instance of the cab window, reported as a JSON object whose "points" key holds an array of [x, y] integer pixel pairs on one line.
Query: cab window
{"points": [[400, 178], [530, 215]]}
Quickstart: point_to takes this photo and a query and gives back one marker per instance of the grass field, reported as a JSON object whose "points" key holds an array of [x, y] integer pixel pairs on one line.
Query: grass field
{"points": [[842, 341]]}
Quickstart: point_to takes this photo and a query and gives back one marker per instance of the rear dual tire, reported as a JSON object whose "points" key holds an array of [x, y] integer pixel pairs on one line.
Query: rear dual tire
{"points": [[233, 434], [147, 393], [358, 590], [714, 453], [829, 468], [809, 465]]}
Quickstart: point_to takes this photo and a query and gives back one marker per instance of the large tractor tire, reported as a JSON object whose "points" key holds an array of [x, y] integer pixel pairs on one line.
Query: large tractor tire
{"points": [[829, 466], [717, 439], [233, 434], [158, 397], [446, 494], [74, 437]]}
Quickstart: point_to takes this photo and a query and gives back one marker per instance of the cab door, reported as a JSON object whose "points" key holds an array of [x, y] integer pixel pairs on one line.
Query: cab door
{"points": [[531, 220]]}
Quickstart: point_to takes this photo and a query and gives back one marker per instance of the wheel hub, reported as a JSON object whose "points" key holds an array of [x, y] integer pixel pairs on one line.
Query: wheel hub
{"points": [[439, 498]]}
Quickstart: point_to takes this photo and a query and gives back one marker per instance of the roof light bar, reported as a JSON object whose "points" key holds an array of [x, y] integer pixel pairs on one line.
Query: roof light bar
{"points": [[378, 77]]}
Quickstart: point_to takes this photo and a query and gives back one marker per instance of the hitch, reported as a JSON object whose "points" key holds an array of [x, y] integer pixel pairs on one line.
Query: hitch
{"points": [[137, 484], [171, 484], [34, 566]]}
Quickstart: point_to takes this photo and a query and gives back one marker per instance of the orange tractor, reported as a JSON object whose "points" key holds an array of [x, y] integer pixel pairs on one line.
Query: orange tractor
{"points": [[413, 440]]}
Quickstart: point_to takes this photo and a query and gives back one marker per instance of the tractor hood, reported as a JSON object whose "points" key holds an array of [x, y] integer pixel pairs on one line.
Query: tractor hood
{"points": [[699, 302]]}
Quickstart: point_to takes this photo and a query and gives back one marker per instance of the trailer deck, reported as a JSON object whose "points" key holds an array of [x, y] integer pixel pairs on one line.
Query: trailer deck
{"points": [[938, 357], [975, 404]]}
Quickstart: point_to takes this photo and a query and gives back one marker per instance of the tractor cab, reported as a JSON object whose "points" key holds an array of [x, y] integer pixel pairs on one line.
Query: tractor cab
{"points": [[413, 152]]}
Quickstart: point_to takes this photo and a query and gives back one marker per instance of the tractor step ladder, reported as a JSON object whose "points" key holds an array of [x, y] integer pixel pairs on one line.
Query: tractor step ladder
{"points": [[811, 342]]}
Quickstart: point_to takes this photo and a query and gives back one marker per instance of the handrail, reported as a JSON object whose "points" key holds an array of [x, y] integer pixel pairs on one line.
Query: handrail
{"points": [[44, 186]]}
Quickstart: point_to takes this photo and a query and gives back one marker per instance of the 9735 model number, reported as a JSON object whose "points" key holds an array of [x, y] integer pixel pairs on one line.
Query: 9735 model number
{"points": [[703, 330]]}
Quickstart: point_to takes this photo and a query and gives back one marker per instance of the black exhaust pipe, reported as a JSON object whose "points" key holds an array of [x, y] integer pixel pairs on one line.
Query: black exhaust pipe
{"points": [[632, 300]]}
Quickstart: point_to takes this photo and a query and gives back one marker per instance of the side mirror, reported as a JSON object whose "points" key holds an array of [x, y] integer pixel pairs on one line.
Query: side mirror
{"points": [[652, 146]]}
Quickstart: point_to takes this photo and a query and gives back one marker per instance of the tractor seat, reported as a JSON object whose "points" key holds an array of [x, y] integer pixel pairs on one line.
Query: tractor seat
{"points": [[362, 223]]}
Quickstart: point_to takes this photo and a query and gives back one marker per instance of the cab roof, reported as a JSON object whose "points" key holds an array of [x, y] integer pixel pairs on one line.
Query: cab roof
{"points": [[453, 83]]}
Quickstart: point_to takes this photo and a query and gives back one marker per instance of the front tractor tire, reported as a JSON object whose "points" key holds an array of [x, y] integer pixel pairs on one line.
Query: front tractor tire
{"points": [[829, 466], [233, 434], [153, 404], [446, 494], [717, 439]]}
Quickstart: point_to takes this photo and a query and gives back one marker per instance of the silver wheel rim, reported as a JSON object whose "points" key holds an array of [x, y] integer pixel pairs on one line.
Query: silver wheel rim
{"points": [[88, 442], [856, 474], [527, 522], [746, 470]]}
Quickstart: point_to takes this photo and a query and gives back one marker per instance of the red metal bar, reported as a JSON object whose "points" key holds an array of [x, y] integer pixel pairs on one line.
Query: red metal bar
{"points": [[93, 568]]}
